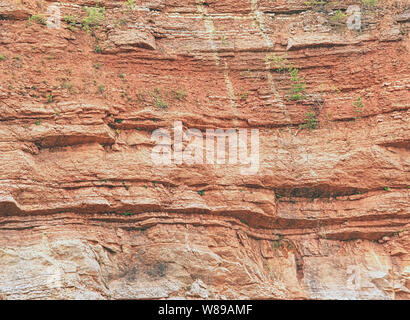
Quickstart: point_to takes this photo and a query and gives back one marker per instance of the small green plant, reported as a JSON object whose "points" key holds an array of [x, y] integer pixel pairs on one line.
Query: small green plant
{"points": [[244, 96], [97, 49], [180, 94], [201, 192], [225, 41], [2, 57], [121, 75], [277, 243], [101, 88], [37, 18], [71, 21], [281, 64], [95, 17], [297, 97], [140, 96], [67, 85], [97, 66], [37, 122], [127, 214], [370, 3], [125, 95], [123, 22], [358, 105], [130, 4], [160, 103], [311, 121], [338, 16], [158, 100], [298, 86], [315, 3], [386, 188], [49, 98]]}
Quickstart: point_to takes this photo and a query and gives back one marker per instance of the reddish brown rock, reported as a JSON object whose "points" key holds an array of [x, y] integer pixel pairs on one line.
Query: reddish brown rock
{"points": [[85, 213]]}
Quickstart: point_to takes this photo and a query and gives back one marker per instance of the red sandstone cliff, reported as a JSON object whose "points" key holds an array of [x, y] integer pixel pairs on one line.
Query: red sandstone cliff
{"points": [[84, 213]]}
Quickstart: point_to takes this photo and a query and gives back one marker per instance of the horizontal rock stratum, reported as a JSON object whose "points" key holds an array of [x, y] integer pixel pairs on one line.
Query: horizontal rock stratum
{"points": [[86, 214]]}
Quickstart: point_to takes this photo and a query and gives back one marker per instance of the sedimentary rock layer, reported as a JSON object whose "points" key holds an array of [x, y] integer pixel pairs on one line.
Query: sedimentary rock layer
{"points": [[84, 211]]}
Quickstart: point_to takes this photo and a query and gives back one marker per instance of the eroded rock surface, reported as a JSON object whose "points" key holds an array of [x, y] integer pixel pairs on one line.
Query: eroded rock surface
{"points": [[86, 214]]}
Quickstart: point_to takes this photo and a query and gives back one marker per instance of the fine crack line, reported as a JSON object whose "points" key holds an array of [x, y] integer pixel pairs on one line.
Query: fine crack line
{"points": [[209, 26]]}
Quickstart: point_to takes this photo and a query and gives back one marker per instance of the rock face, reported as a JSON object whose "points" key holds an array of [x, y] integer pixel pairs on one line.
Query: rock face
{"points": [[86, 214]]}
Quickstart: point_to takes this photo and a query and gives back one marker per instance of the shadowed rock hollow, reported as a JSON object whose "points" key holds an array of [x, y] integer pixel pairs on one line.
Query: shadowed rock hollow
{"points": [[85, 213]]}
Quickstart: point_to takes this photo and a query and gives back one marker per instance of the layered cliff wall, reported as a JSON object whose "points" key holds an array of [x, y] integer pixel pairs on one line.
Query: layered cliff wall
{"points": [[84, 211]]}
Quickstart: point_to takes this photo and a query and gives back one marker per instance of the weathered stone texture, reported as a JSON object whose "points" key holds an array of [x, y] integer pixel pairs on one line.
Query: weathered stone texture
{"points": [[85, 214]]}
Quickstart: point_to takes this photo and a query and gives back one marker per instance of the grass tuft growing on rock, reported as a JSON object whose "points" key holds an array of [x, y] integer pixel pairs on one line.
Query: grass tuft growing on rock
{"points": [[179, 94], [358, 105], [370, 3], [311, 121], [37, 18], [95, 17], [158, 99], [338, 16], [127, 214], [49, 98], [71, 21], [298, 86]]}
